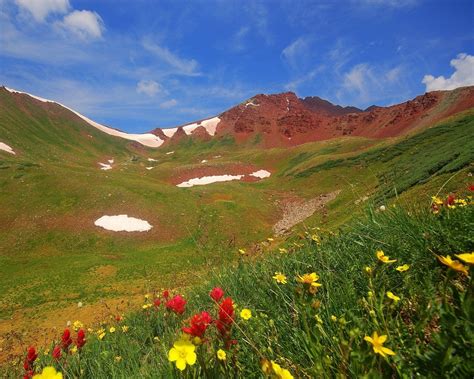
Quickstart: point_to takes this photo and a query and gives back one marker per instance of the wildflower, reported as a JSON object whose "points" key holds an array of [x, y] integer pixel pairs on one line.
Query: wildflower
{"points": [[49, 373], [460, 202], [112, 329], [118, 359], [370, 294], [318, 319], [31, 356], [316, 239], [221, 355], [280, 278], [382, 208], [226, 310], [333, 318], [199, 324], [176, 304], [466, 257], [282, 250], [246, 314], [66, 339], [450, 201], [368, 269], [156, 303], [270, 239], [372, 313], [436, 200], [124, 328], [56, 354], [156, 339], [166, 294], [280, 372], [77, 325], [81, 338], [392, 296], [118, 318], [310, 279], [377, 344], [101, 334], [147, 296], [197, 341], [242, 252], [183, 353], [384, 258], [146, 306], [402, 268], [73, 350], [266, 366], [455, 265], [216, 294]]}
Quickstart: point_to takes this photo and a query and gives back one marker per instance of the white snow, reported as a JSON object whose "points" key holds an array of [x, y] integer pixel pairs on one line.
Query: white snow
{"points": [[152, 160], [123, 223], [210, 125], [251, 103], [287, 105], [170, 152], [220, 178], [146, 139], [204, 161], [169, 132], [149, 168], [208, 180], [105, 166], [5, 147], [111, 161], [261, 174]]}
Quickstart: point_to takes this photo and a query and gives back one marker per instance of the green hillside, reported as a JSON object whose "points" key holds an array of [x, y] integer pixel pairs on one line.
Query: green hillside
{"points": [[52, 256]]}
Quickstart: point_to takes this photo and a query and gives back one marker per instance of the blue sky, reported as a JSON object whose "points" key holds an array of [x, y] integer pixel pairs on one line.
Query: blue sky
{"points": [[136, 65]]}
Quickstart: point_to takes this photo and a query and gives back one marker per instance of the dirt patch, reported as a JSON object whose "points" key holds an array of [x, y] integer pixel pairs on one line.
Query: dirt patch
{"points": [[296, 211], [106, 271]]}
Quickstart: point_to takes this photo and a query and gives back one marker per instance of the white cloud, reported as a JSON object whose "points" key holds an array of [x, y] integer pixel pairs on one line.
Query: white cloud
{"points": [[463, 75], [148, 87], [85, 24], [40, 9], [168, 104], [239, 37], [184, 66], [389, 3], [295, 51]]}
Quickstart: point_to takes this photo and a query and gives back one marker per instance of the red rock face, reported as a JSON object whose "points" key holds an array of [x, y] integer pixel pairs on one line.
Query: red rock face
{"points": [[285, 120]]}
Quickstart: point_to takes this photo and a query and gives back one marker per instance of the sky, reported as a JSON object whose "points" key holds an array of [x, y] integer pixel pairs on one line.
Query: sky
{"points": [[136, 65]]}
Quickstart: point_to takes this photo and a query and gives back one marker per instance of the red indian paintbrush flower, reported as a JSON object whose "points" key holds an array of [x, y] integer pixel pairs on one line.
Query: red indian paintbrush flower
{"points": [[30, 358], [66, 339], [450, 200], [216, 294], [176, 304], [166, 294], [81, 338], [226, 311], [157, 303], [199, 324], [56, 354]]}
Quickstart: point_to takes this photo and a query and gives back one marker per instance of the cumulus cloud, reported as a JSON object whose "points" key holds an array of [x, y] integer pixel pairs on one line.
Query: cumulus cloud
{"points": [[148, 87], [168, 104], [463, 75], [295, 51], [84, 24], [40, 9], [183, 66]]}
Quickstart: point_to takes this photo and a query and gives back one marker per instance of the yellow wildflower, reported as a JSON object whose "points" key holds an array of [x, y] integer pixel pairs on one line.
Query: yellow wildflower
{"points": [[280, 278], [147, 296], [112, 329], [282, 250], [270, 239], [266, 366], [280, 372], [455, 265], [197, 341], [101, 334], [242, 251], [377, 344], [146, 306], [460, 202], [370, 294], [125, 328], [466, 257], [118, 359], [246, 314], [77, 325], [183, 353], [48, 373], [392, 296], [156, 339], [221, 355], [316, 238], [368, 269], [436, 200], [403, 268], [384, 258], [333, 318], [73, 350], [310, 279]]}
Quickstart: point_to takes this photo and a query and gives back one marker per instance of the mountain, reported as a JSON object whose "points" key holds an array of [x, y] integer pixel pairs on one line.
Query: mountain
{"points": [[285, 120], [318, 105]]}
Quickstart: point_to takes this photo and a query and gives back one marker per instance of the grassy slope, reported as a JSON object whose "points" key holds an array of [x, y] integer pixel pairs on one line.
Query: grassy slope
{"points": [[51, 232]]}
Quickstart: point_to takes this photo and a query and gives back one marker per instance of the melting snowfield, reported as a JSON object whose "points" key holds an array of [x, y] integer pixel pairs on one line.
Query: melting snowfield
{"points": [[5, 147], [204, 180], [123, 223]]}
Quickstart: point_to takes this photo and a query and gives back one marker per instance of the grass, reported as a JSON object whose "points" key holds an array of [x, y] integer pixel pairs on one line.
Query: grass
{"points": [[318, 334]]}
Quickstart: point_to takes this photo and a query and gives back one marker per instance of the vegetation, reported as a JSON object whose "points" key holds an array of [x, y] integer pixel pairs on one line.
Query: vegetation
{"points": [[389, 295]]}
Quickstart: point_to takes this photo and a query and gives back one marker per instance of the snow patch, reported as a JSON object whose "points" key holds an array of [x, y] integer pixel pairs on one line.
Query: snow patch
{"points": [[111, 161], [251, 103], [105, 166], [208, 180], [261, 174], [146, 139], [152, 160], [210, 125], [149, 168], [169, 132], [204, 161], [170, 152], [123, 223], [5, 147]]}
